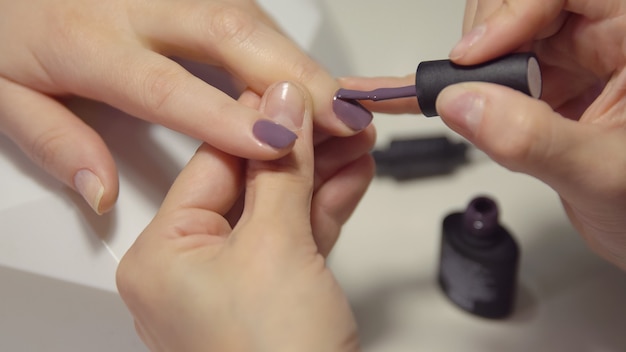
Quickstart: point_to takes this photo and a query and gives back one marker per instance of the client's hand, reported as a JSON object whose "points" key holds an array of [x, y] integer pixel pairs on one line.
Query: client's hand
{"points": [[206, 277]]}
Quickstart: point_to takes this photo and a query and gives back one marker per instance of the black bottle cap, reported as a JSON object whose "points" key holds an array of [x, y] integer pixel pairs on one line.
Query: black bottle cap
{"points": [[519, 71], [412, 158]]}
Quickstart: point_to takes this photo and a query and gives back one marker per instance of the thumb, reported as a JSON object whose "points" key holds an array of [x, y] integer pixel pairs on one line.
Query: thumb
{"points": [[278, 192], [520, 133]]}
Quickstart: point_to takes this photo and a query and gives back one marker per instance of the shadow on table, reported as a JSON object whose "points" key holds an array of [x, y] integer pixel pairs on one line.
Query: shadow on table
{"points": [[568, 300]]}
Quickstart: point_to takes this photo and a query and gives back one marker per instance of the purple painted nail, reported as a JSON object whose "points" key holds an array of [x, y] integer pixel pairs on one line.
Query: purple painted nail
{"points": [[352, 113], [273, 134]]}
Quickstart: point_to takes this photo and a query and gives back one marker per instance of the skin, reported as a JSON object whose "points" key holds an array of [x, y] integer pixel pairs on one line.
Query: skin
{"points": [[573, 139], [259, 230], [260, 274], [269, 289], [120, 52]]}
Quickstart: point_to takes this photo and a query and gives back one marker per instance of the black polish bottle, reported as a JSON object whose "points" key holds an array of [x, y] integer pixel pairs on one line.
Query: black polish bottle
{"points": [[478, 261]]}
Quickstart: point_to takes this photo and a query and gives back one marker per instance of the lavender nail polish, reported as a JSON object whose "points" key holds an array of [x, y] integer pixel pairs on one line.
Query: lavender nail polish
{"points": [[352, 113], [273, 134]]}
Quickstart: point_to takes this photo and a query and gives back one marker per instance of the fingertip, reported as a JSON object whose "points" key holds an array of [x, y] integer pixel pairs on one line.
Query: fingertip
{"points": [[461, 106], [55, 139], [467, 42], [89, 170], [285, 104], [336, 118], [352, 114], [288, 106], [92, 188], [504, 29]]}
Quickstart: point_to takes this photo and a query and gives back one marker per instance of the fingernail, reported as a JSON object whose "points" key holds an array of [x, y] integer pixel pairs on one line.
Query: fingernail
{"points": [[273, 134], [90, 187], [462, 107], [284, 104], [468, 40], [352, 113]]}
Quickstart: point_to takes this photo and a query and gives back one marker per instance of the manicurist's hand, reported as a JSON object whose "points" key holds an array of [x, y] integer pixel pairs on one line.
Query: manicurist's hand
{"points": [[575, 138], [120, 52], [204, 276]]}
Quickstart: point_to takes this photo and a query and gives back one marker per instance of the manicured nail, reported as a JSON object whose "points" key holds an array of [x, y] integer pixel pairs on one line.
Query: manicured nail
{"points": [[352, 113], [462, 107], [273, 134], [90, 187], [468, 40], [284, 104]]}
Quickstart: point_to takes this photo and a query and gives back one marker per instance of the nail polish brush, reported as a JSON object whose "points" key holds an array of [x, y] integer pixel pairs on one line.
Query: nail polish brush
{"points": [[519, 71]]}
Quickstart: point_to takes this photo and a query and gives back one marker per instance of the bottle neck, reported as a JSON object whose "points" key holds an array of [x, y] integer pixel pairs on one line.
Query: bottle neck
{"points": [[480, 222]]}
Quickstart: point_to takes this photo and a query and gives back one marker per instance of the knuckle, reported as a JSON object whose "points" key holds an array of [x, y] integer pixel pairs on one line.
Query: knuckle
{"points": [[63, 25], [46, 148], [227, 23], [305, 71], [159, 87]]}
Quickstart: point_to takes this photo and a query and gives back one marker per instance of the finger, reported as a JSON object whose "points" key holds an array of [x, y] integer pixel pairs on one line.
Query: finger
{"points": [[336, 153], [477, 12], [336, 200], [155, 88], [279, 192], [508, 28], [343, 170], [201, 195], [395, 106], [524, 134], [189, 221], [469, 16], [212, 180], [230, 207], [257, 54], [60, 143]]}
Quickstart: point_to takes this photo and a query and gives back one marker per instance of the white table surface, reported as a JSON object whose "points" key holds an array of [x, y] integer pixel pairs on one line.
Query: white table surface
{"points": [[569, 300]]}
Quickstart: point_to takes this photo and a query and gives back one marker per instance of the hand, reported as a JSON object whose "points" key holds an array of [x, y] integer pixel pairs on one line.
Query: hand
{"points": [[574, 140], [120, 52], [193, 282]]}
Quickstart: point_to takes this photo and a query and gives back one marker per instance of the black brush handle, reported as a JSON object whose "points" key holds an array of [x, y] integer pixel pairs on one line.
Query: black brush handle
{"points": [[519, 71]]}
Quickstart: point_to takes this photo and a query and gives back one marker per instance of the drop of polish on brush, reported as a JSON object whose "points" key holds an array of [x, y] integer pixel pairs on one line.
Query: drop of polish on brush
{"points": [[352, 113]]}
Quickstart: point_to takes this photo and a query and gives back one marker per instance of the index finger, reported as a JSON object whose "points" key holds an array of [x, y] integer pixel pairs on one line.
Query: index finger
{"points": [[254, 52], [210, 181], [500, 27]]}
